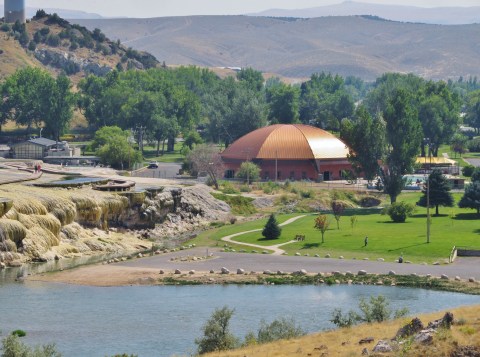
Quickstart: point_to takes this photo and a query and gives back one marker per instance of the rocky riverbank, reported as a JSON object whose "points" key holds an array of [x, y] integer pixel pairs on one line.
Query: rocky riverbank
{"points": [[44, 224]]}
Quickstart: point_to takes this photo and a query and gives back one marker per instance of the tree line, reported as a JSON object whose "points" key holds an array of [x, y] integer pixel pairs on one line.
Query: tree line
{"points": [[382, 122]]}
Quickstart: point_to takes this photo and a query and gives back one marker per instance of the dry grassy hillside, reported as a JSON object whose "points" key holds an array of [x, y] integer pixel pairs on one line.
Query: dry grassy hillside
{"points": [[76, 51], [13, 56], [360, 46], [345, 342]]}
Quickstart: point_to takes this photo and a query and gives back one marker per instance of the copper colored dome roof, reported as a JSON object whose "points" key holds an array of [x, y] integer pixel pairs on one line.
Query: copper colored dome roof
{"points": [[287, 142]]}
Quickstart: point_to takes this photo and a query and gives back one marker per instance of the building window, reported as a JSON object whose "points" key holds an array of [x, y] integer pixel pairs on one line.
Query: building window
{"points": [[304, 175], [292, 175], [229, 174], [279, 175], [267, 175]]}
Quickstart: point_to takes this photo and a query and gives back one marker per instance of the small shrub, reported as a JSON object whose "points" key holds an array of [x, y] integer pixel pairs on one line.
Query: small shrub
{"points": [[306, 193], [228, 188], [474, 145], [467, 171], [233, 220], [279, 329], [53, 40], [399, 211], [5, 27], [19, 333], [467, 330], [375, 310], [245, 188], [216, 332], [344, 320], [32, 46]]}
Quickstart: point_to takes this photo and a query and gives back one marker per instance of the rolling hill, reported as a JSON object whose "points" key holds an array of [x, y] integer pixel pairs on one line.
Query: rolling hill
{"points": [[363, 46], [434, 15]]}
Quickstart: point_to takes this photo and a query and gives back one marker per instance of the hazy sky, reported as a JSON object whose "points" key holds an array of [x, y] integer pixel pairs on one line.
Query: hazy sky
{"points": [[157, 8]]}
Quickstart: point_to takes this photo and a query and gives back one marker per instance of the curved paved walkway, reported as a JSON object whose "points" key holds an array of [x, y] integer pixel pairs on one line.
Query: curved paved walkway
{"points": [[275, 248]]}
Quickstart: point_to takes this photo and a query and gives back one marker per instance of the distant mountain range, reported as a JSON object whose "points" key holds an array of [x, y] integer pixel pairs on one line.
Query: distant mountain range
{"points": [[436, 15], [356, 45], [65, 14]]}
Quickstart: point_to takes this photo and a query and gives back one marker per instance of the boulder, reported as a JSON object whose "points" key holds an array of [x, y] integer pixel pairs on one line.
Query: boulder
{"points": [[177, 271], [240, 271], [425, 336], [161, 272], [191, 272], [382, 346], [365, 352], [267, 272], [444, 277], [327, 256], [471, 280], [300, 272], [212, 271], [410, 329], [445, 322], [391, 272], [224, 271], [362, 272]]}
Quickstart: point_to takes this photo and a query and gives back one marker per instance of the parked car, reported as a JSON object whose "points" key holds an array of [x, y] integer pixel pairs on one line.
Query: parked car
{"points": [[153, 165]]}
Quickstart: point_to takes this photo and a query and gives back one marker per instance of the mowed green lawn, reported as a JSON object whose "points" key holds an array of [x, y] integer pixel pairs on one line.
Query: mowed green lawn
{"points": [[454, 226]]}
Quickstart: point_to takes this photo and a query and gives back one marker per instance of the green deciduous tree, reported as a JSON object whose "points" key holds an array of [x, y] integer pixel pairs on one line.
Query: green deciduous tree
{"points": [[216, 332], [324, 101], [472, 116], [271, 230], [59, 102], [439, 192], [284, 103], [471, 197], [365, 137], [252, 78], [113, 148], [404, 136], [249, 171]]}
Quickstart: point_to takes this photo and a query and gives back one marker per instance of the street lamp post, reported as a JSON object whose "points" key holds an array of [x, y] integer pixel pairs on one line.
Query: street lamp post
{"points": [[427, 144]]}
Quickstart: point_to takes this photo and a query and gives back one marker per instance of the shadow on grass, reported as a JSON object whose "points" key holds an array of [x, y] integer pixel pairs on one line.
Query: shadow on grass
{"points": [[267, 239], [431, 215], [311, 245], [466, 216], [392, 222], [408, 246]]}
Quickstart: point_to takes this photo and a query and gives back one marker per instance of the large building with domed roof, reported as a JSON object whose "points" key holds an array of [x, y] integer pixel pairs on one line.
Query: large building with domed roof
{"points": [[289, 151]]}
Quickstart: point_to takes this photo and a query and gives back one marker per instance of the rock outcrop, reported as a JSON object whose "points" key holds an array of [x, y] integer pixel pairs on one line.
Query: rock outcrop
{"points": [[69, 62]]}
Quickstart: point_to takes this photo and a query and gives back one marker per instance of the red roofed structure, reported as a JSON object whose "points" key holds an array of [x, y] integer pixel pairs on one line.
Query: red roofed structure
{"points": [[293, 151]]}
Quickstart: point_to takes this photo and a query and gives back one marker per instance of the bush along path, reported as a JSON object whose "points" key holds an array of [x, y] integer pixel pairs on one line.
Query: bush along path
{"points": [[274, 248]]}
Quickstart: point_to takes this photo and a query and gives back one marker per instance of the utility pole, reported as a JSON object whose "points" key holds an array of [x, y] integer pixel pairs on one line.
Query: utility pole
{"points": [[427, 143]]}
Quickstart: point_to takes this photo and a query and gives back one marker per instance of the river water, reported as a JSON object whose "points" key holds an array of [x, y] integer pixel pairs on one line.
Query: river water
{"points": [[165, 320]]}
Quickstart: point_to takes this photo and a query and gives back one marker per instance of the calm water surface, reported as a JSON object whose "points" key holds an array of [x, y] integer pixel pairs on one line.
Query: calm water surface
{"points": [[165, 320]]}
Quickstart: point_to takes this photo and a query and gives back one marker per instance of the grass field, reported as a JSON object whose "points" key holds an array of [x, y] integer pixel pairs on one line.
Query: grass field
{"points": [[454, 226]]}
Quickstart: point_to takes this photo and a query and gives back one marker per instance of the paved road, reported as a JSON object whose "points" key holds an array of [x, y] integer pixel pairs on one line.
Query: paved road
{"points": [[463, 267], [164, 171]]}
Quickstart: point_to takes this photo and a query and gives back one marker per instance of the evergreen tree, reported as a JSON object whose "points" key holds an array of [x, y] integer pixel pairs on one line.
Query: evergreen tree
{"points": [[271, 229], [439, 192], [471, 197]]}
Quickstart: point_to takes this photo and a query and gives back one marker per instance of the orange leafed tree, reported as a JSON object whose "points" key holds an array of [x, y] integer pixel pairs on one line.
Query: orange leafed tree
{"points": [[321, 223]]}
